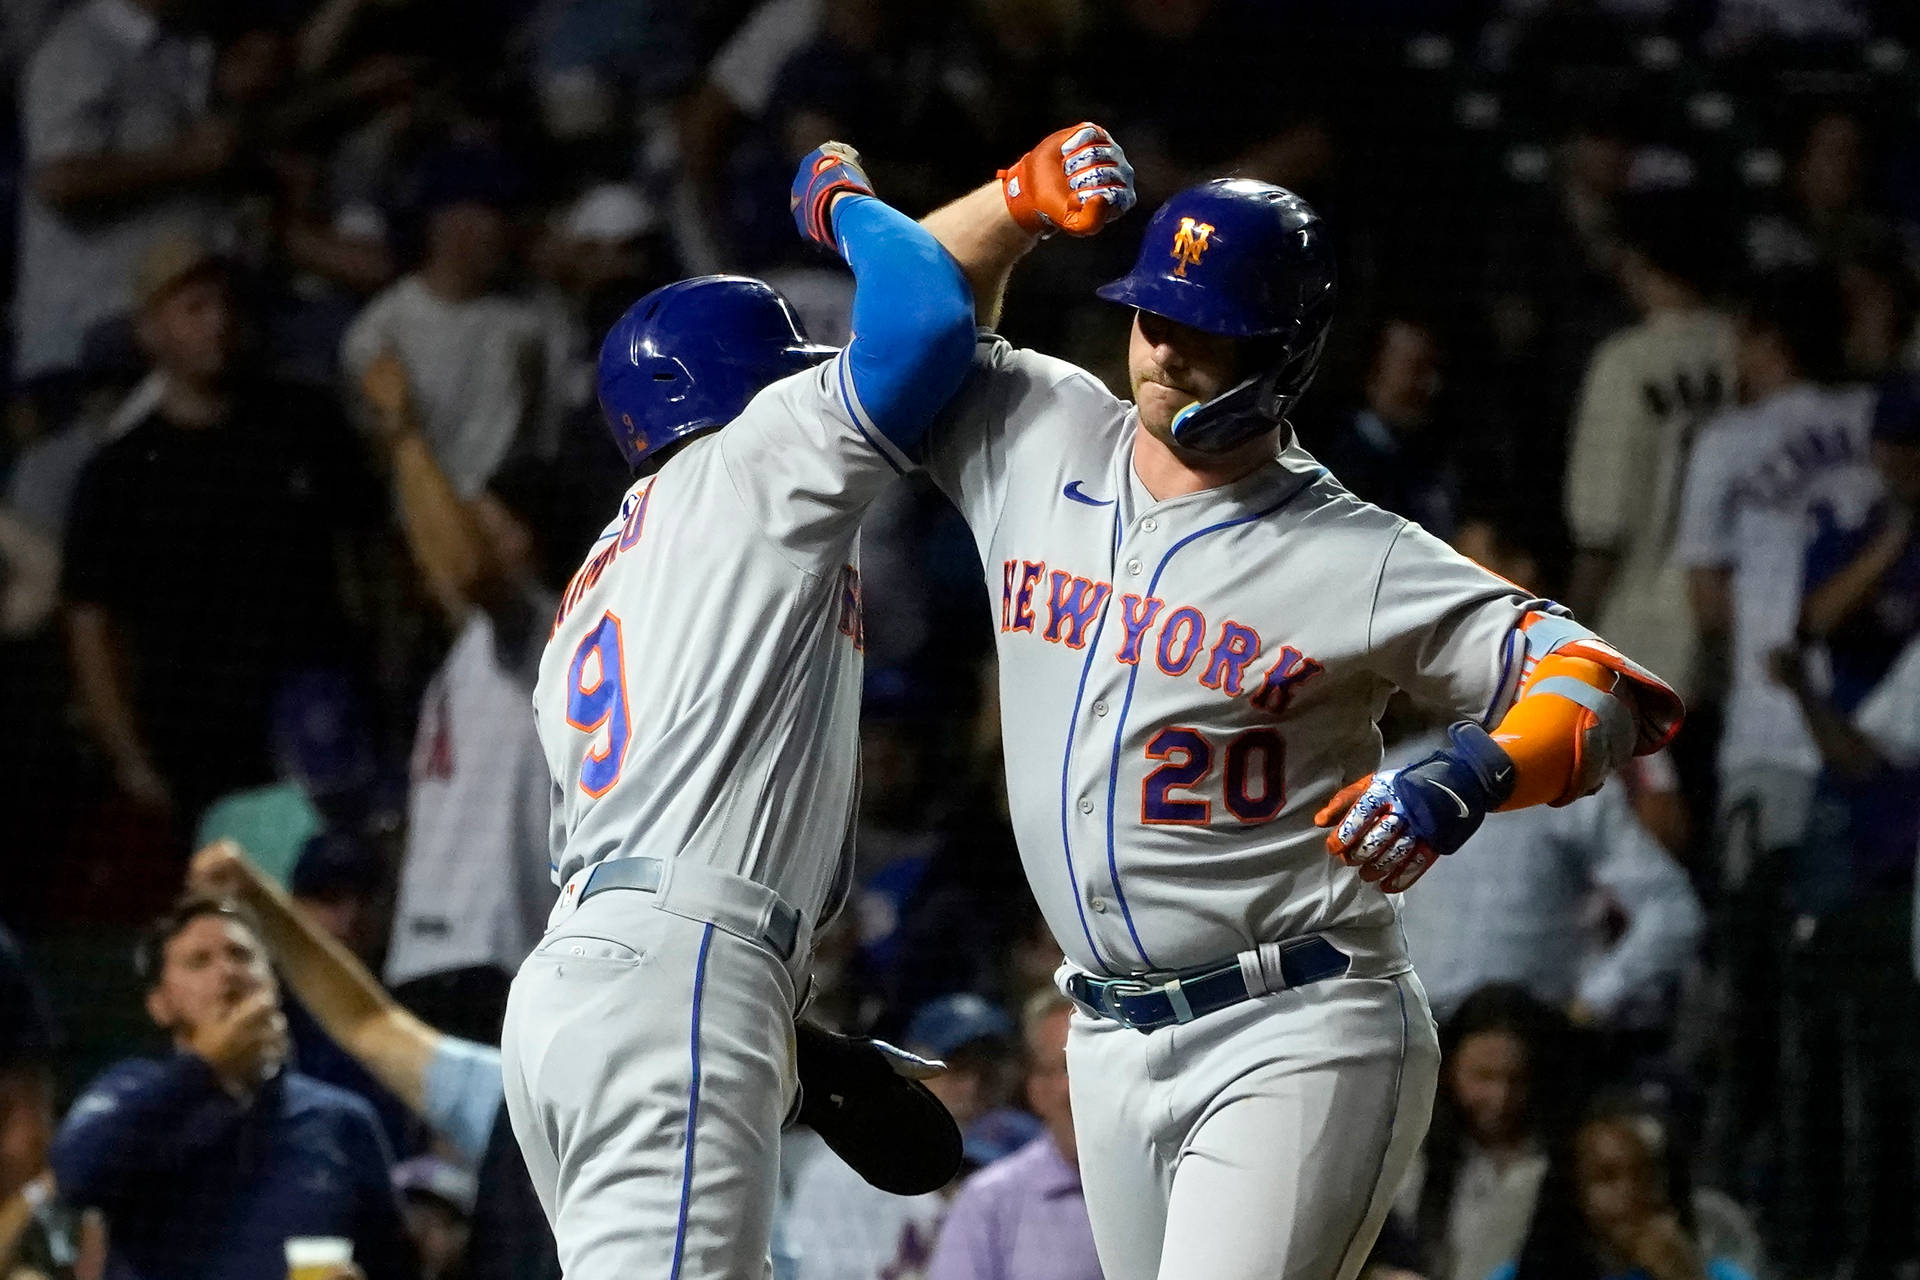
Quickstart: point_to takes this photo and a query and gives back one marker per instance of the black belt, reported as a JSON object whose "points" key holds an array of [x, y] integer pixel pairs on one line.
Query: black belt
{"points": [[1195, 993], [781, 932]]}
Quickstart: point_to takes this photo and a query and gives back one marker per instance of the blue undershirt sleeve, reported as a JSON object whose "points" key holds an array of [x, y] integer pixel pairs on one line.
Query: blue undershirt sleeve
{"points": [[913, 334]]}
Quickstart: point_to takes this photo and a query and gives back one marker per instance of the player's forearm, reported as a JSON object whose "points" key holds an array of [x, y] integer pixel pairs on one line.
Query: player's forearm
{"points": [[1828, 606], [348, 1002], [75, 183], [913, 322], [984, 239], [1584, 711], [99, 667], [444, 534], [1846, 750]]}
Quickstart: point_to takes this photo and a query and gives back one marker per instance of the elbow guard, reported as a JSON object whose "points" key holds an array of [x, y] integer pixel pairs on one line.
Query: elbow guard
{"points": [[1583, 710]]}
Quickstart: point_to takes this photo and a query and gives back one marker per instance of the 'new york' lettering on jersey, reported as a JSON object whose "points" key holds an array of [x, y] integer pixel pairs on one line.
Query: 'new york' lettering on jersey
{"points": [[1195, 676], [699, 696]]}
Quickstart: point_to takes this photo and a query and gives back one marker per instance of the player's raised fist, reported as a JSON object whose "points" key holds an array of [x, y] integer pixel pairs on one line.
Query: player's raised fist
{"points": [[1394, 825], [824, 173], [1077, 181]]}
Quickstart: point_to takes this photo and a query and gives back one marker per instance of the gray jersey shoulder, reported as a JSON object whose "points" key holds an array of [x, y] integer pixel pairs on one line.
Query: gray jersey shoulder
{"points": [[699, 696]]}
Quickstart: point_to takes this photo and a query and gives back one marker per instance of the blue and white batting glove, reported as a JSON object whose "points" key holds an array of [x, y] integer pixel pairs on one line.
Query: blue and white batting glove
{"points": [[1398, 823], [824, 173]]}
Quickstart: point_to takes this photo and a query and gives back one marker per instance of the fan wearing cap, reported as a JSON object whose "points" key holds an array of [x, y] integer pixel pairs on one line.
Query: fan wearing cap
{"points": [[207, 1159], [202, 553], [1197, 628]]}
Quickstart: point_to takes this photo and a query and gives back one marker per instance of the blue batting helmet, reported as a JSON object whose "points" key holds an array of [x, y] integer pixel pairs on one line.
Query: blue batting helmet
{"points": [[1241, 259], [687, 357]]}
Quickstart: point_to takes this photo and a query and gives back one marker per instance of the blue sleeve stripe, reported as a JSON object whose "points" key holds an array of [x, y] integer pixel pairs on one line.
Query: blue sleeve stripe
{"points": [[1508, 684], [864, 424]]}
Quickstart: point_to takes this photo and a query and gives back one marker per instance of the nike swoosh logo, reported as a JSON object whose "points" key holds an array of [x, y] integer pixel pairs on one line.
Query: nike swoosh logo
{"points": [[1464, 811], [1073, 491]]}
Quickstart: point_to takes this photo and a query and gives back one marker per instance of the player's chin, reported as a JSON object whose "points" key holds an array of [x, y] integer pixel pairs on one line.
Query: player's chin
{"points": [[1158, 422]]}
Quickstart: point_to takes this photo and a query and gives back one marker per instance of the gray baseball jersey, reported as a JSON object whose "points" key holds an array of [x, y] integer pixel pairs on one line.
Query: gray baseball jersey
{"points": [[1186, 682], [700, 696]]}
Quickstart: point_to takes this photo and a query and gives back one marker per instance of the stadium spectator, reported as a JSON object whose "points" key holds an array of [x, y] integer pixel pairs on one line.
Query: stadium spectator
{"points": [[595, 61], [206, 1161], [1515, 910], [342, 884], [323, 755], [36, 1232], [1850, 1088], [1157, 58], [1754, 475], [121, 153], [1024, 1217], [438, 1198], [1617, 1202], [735, 95], [202, 556], [452, 1085], [1862, 597], [476, 358], [1507, 1083], [1648, 391], [1828, 223], [1550, 285], [1752, 26], [1390, 452], [474, 891], [840, 1228]]}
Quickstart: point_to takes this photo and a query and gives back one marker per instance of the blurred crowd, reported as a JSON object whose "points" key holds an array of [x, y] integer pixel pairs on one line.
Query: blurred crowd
{"points": [[300, 445]]}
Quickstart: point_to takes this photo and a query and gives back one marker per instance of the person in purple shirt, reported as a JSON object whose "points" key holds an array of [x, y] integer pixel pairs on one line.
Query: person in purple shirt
{"points": [[1024, 1217]]}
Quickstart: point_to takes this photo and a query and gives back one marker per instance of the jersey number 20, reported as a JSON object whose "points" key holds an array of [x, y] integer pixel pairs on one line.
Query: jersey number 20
{"points": [[1254, 787], [596, 700]]}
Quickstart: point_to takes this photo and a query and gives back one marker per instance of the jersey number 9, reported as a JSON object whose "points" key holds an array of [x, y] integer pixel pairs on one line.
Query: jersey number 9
{"points": [[597, 699]]}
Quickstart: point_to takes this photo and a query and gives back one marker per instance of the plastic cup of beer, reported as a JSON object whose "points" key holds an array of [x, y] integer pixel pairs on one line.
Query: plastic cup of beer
{"points": [[317, 1257]]}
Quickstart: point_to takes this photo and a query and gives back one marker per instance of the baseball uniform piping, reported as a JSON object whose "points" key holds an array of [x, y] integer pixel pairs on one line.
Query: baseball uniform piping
{"points": [[693, 1107], [1500, 686], [1120, 729], [861, 422], [1393, 1118], [1066, 765]]}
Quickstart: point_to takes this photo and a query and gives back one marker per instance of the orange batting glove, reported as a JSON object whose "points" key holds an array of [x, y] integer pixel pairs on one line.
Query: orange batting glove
{"points": [[1076, 181]]}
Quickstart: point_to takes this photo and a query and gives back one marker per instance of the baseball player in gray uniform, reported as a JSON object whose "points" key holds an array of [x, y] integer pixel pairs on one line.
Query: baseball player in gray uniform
{"points": [[1197, 629], [698, 705]]}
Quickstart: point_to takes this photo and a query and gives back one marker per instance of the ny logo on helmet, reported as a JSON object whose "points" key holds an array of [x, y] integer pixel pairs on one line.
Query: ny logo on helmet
{"points": [[1189, 242]]}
